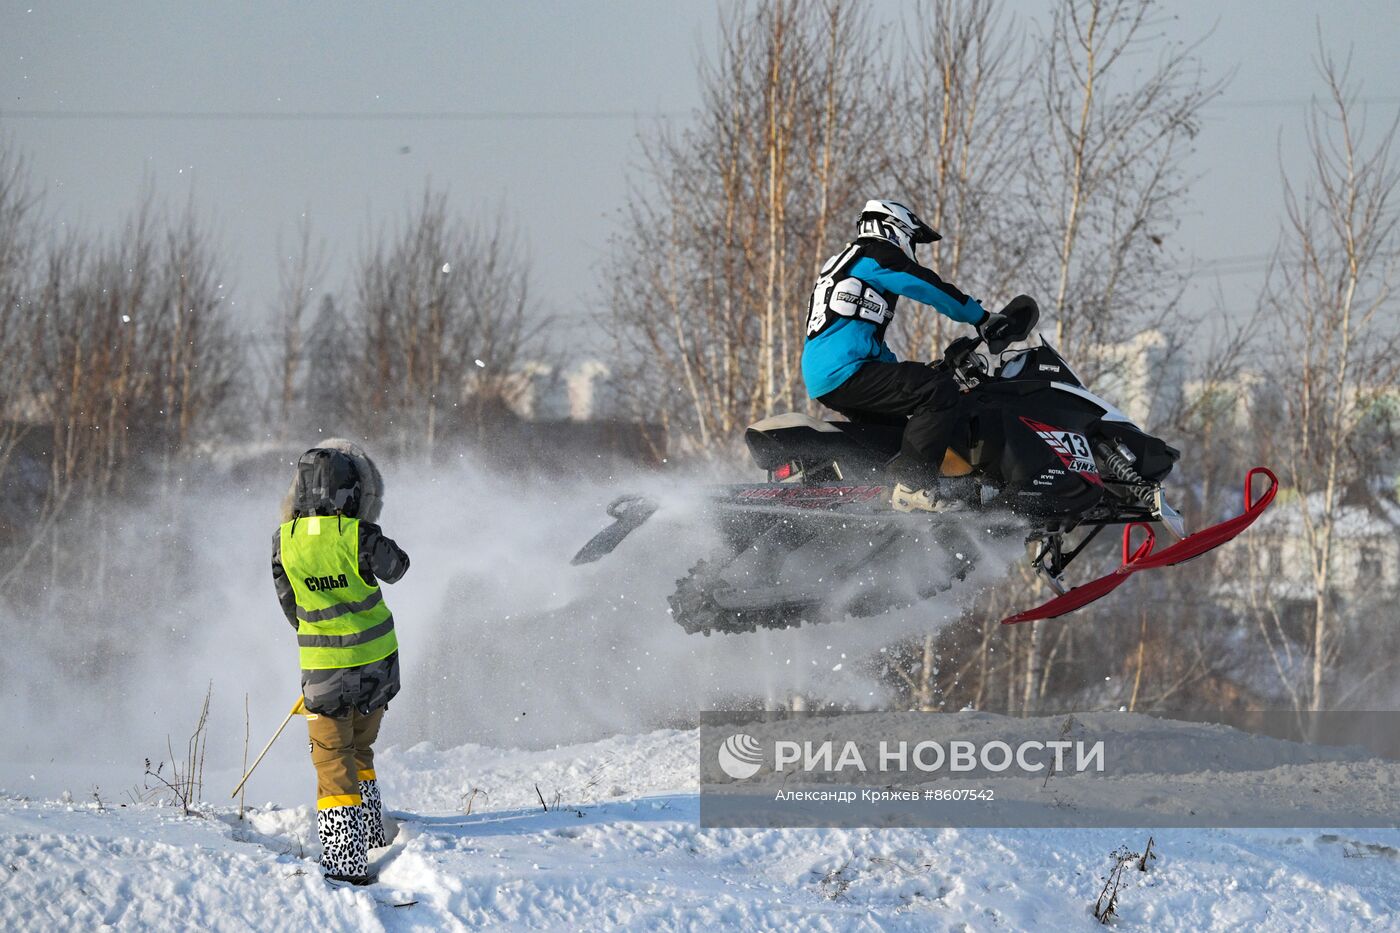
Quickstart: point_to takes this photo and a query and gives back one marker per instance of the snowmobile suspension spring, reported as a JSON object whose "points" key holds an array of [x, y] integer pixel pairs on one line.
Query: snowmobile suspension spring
{"points": [[1123, 470]]}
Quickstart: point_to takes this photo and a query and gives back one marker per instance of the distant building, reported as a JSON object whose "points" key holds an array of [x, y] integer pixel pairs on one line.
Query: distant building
{"points": [[565, 416], [1365, 551], [584, 385], [1144, 376], [1231, 404], [576, 392], [535, 396]]}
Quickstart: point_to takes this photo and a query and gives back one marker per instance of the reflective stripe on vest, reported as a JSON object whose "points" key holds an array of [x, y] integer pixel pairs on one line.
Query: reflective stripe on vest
{"points": [[342, 621]]}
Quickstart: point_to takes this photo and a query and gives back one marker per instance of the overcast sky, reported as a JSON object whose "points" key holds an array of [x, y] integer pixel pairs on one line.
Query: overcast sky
{"points": [[560, 177]]}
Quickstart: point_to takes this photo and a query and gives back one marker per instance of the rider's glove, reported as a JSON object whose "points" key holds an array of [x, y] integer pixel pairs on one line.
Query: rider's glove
{"points": [[992, 326], [1012, 323]]}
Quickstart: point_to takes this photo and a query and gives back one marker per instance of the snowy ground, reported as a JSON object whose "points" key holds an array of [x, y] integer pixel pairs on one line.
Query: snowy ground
{"points": [[623, 849], [505, 643]]}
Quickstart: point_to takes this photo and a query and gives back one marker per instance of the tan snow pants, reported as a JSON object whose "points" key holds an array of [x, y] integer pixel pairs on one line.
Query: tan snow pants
{"points": [[341, 750]]}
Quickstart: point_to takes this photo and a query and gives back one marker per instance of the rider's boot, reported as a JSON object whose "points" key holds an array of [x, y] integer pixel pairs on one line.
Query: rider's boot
{"points": [[905, 498]]}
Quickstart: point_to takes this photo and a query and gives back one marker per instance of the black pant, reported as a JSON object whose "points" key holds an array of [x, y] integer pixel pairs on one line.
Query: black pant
{"points": [[891, 392]]}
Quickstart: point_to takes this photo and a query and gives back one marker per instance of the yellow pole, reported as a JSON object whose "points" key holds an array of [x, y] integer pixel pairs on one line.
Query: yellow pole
{"points": [[299, 707]]}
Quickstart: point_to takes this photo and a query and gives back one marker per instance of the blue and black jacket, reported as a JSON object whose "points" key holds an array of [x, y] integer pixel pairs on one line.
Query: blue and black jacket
{"points": [[854, 302]]}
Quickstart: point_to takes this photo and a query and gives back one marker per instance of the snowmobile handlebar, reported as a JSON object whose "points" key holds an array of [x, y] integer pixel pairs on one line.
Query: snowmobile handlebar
{"points": [[961, 352], [1018, 319]]}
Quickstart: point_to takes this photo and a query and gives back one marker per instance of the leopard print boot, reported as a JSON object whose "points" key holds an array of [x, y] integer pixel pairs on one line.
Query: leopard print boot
{"points": [[344, 855], [373, 808]]}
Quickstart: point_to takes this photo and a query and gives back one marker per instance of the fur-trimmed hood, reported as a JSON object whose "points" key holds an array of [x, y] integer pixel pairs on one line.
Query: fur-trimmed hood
{"points": [[371, 481]]}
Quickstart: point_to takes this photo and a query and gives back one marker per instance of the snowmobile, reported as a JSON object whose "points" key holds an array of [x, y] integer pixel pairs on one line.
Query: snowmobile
{"points": [[1036, 455]]}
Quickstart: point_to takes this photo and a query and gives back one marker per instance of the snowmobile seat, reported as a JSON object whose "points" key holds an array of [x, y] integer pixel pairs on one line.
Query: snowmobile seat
{"points": [[794, 436]]}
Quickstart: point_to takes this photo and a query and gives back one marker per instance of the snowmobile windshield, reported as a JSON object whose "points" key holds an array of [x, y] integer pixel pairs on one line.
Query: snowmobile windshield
{"points": [[1041, 362]]}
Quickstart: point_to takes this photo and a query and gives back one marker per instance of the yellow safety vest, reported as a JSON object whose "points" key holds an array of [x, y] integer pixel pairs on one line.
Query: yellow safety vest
{"points": [[342, 621]]}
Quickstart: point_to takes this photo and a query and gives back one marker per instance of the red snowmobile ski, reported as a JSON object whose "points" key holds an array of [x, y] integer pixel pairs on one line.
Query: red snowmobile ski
{"points": [[1143, 558]]}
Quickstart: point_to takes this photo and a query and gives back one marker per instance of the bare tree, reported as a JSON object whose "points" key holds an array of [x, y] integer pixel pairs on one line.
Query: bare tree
{"points": [[1331, 292], [1105, 181], [710, 276], [959, 150], [200, 354], [444, 319], [1104, 186], [17, 251], [328, 396], [132, 361], [300, 274], [957, 153]]}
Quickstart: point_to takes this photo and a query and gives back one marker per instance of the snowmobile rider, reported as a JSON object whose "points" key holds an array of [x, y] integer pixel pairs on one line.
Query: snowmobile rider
{"points": [[848, 367], [327, 564]]}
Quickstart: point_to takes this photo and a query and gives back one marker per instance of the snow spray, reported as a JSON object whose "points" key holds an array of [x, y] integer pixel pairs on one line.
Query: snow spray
{"points": [[503, 642]]}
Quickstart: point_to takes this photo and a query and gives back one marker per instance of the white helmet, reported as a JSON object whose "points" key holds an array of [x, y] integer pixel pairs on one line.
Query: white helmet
{"points": [[890, 220]]}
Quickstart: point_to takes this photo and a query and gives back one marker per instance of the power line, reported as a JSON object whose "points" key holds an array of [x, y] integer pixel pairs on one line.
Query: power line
{"points": [[472, 116], [482, 116], [1233, 265], [1291, 102], [1235, 260], [1250, 265]]}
